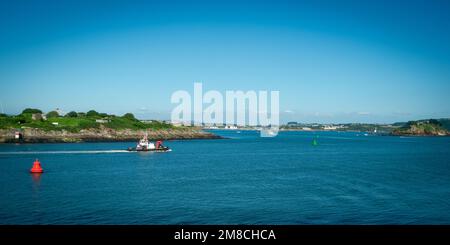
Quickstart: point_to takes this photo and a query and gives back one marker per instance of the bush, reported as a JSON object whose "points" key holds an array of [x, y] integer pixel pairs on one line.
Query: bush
{"points": [[85, 124], [92, 113], [129, 116], [72, 114], [31, 110], [21, 119], [52, 114], [435, 122]]}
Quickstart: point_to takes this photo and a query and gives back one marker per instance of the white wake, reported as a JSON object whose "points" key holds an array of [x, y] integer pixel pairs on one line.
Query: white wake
{"points": [[61, 152]]}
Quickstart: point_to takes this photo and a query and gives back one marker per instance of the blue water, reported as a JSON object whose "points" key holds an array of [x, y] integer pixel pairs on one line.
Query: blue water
{"points": [[346, 179]]}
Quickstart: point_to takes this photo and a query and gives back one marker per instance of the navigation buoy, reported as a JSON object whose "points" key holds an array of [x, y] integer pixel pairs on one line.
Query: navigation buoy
{"points": [[314, 142], [36, 169]]}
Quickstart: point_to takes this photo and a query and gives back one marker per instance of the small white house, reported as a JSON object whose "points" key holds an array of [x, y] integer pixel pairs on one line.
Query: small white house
{"points": [[101, 120], [55, 123], [38, 116]]}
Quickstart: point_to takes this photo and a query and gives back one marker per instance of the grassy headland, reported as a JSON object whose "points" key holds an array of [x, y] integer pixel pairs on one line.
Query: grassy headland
{"points": [[35, 126]]}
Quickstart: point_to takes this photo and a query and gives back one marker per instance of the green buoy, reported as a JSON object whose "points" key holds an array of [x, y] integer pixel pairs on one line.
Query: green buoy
{"points": [[314, 142]]}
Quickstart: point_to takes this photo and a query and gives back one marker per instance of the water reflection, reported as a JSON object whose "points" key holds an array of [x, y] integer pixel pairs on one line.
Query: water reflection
{"points": [[36, 177]]}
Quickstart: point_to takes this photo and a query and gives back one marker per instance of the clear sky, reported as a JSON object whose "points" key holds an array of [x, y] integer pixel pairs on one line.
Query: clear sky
{"points": [[332, 61]]}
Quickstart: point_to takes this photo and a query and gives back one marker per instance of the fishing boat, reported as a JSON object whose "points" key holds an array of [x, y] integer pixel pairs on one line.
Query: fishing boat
{"points": [[145, 145]]}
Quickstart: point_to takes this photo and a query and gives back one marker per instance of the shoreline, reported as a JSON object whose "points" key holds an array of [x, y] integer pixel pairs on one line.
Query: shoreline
{"points": [[347, 131], [31, 135]]}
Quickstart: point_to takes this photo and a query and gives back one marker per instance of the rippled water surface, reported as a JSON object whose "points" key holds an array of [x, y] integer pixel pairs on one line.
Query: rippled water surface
{"points": [[346, 179]]}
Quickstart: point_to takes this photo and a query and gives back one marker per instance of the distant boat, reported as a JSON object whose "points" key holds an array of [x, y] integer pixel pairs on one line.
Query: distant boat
{"points": [[268, 132]]}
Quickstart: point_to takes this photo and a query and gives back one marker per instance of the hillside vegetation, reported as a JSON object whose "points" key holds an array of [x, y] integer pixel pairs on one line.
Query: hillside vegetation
{"points": [[430, 127], [75, 121]]}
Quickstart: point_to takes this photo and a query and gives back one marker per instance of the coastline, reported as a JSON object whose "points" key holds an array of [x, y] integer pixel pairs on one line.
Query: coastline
{"points": [[381, 133], [32, 135]]}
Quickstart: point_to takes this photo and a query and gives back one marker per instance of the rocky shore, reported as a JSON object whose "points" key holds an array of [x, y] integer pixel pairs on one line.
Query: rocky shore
{"points": [[415, 132], [31, 135]]}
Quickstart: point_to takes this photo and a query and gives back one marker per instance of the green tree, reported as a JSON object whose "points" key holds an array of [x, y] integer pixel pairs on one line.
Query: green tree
{"points": [[92, 113], [435, 122], [52, 114], [31, 110], [72, 114], [21, 119], [129, 116]]}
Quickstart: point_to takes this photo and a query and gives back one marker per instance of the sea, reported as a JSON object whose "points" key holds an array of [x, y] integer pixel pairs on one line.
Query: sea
{"points": [[345, 178]]}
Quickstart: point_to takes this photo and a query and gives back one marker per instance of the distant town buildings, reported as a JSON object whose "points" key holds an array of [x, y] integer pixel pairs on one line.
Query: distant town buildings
{"points": [[330, 127]]}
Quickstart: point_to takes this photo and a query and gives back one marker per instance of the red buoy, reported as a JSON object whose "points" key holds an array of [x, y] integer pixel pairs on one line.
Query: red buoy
{"points": [[36, 169]]}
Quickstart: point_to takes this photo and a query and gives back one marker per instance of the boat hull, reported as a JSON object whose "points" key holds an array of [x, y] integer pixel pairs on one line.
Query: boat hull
{"points": [[165, 149]]}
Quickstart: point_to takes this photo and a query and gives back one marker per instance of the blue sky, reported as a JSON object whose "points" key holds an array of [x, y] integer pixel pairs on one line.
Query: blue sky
{"points": [[332, 61]]}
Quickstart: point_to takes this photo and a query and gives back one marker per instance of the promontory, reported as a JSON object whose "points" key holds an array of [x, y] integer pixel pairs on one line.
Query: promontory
{"points": [[33, 126]]}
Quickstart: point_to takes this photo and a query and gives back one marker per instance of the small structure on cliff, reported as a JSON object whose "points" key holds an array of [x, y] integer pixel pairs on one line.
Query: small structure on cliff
{"points": [[18, 135], [102, 120], [38, 116]]}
